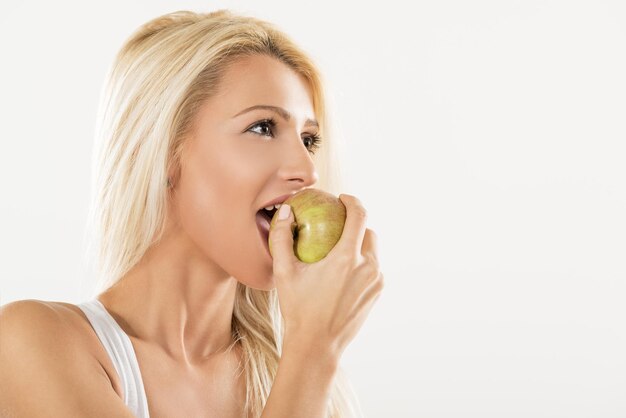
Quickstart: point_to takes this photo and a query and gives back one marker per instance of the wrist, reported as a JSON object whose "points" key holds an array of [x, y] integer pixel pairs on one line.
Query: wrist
{"points": [[311, 352]]}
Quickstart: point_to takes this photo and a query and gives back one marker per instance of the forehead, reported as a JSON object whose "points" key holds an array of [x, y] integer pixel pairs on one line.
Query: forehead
{"points": [[260, 79]]}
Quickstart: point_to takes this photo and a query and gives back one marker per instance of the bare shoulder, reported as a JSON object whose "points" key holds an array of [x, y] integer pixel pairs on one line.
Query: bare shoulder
{"points": [[23, 315], [31, 306], [43, 324], [47, 362], [56, 323], [49, 319]]}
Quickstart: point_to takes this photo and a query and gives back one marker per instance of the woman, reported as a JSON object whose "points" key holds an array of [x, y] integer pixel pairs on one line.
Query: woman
{"points": [[205, 120]]}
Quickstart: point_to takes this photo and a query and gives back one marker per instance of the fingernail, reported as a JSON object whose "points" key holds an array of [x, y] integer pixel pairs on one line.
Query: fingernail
{"points": [[283, 212]]}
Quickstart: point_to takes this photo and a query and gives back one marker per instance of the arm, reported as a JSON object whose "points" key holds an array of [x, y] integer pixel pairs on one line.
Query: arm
{"points": [[303, 381], [45, 371]]}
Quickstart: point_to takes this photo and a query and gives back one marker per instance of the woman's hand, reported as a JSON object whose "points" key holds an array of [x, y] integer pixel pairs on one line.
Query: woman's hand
{"points": [[325, 303]]}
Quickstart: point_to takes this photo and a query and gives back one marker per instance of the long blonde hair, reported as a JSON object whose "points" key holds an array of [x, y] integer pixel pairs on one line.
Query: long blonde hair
{"points": [[153, 89]]}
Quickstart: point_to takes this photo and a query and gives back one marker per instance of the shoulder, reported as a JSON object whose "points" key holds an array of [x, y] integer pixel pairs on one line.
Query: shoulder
{"points": [[37, 332], [39, 317], [51, 327], [48, 366], [46, 326], [23, 316]]}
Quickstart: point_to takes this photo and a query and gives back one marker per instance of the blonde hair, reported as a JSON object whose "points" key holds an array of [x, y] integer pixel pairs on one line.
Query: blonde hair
{"points": [[153, 89]]}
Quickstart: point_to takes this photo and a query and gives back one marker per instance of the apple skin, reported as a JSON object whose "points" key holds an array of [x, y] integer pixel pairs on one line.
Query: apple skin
{"points": [[319, 218]]}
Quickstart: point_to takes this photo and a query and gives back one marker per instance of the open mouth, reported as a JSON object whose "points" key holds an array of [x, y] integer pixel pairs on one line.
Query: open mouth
{"points": [[268, 213]]}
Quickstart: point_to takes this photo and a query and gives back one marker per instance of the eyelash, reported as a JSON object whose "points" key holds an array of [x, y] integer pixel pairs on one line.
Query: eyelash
{"points": [[315, 139]]}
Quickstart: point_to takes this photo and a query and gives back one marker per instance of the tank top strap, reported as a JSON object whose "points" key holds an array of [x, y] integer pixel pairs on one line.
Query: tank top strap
{"points": [[120, 349]]}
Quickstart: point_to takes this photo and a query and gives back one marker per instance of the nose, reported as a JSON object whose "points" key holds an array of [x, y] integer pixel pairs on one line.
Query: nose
{"points": [[297, 165]]}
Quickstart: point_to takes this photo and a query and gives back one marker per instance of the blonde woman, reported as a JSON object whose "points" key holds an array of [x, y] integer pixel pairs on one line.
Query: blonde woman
{"points": [[205, 119]]}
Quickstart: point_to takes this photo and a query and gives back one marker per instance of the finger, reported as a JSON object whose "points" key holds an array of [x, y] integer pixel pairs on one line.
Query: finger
{"points": [[370, 245], [281, 241], [354, 226]]}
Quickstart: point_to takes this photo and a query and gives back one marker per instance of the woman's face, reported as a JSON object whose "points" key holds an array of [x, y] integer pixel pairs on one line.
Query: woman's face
{"points": [[237, 162]]}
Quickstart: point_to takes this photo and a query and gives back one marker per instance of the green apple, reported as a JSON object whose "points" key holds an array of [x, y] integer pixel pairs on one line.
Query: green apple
{"points": [[319, 218]]}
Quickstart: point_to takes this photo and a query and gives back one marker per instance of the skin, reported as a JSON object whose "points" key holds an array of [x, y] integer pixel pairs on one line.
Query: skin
{"points": [[179, 299], [176, 304]]}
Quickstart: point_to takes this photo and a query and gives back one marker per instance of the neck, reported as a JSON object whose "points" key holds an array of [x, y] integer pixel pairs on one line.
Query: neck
{"points": [[184, 306]]}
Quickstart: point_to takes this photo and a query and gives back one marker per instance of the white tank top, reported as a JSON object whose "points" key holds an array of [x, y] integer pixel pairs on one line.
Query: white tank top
{"points": [[122, 354]]}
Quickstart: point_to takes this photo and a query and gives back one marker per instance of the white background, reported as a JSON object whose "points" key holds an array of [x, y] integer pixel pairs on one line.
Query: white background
{"points": [[487, 139]]}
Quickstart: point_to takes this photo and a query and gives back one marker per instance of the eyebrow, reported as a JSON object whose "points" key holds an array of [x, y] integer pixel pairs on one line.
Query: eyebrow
{"points": [[280, 111]]}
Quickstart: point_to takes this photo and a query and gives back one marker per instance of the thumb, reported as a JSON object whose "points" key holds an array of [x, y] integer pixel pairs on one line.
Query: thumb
{"points": [[281, 239]]}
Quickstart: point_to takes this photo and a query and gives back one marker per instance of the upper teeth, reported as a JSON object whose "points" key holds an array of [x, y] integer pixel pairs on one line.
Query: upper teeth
{"points": [[272, 207]]}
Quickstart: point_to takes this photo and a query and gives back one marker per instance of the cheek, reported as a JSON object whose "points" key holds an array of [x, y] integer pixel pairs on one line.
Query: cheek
{"points": [[216, 206]]}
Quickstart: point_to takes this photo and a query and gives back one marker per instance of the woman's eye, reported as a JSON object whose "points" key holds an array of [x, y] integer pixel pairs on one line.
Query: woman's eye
{"points": [[266, 127], [314, 142]]}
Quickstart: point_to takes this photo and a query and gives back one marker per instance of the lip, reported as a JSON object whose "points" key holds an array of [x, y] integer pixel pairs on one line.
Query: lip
{"points": [[279, 199]]}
